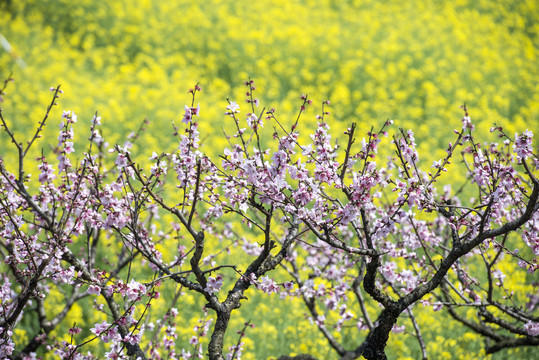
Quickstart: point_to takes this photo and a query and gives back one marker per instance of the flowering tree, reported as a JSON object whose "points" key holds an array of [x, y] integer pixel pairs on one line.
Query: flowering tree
{"points": [[362, 243]]}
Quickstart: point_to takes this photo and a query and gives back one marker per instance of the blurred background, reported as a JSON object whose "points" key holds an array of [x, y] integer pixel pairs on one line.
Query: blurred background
{"points": [[415, 62]]}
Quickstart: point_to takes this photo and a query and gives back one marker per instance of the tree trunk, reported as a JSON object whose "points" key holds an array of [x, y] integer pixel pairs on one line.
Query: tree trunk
{"points": [[377, 339], [215, 348]]}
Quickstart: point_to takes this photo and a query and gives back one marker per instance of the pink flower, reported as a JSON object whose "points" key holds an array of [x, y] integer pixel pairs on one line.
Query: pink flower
{"points": [[467, 123], [121, 161], [214, 284], [523, 144], [233, 108], [437, 306], [69, 116], [532, 328], [168, 343], [254, 122], [96, 120], [75, 330], [268, 285], [99, 329], [135, 290], [94, 290], [289, 285], [189, 113], [320, 320], [68, 149], [47, 172], [498, 274], [398, 329]]}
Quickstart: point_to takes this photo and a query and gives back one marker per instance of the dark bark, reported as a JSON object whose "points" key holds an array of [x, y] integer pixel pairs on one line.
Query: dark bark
{"points": [[215, 348], [512, 343], [374, 346], [297, 357]]}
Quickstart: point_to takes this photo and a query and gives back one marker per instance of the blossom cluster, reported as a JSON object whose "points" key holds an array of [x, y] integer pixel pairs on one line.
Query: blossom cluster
{"points": [[349, 232]]}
